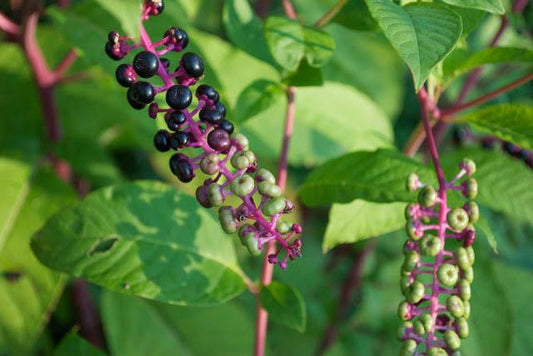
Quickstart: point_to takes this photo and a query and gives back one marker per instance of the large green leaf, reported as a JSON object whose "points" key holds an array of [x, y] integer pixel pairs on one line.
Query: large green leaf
{"points": [[245, 29], [319, 46], [258, 97], [145, 239], [284, 305], [128, 12], [494, 6], [28, 290], [377, 176], [510, 122], [72, 344], [361, 220], [423, 34], [286, 41], [330, 120], [505, 184]]}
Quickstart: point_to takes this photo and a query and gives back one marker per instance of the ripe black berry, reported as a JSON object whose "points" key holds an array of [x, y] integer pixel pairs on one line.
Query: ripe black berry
{"points": [[113, 51], [211, 115], [204, 92], [181, 168], [511, 148], [142, 92], [125, 75], [488, 142], [179, 97], [227, 126], [155, 7], [161, 141], [113, 37], [219, 140], [178, 37], [192, 64], [221, 108], [175, 119], [145, 64], [179, 139], [133, 102]]}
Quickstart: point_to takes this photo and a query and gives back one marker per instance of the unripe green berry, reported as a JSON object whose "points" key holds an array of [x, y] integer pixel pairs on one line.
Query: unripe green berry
{"points": [[245, 230], [469, 166], [251, 156], [405, 284], [267, 188], [408, 348], [239, 160], [464, 290], [427, 196], [466, 314], [209, 164], [242, 185], [462, 259], [408, 211], [452, 339], [418, 328], [455, 306], [437, 351], [264, 175], [227, 221], [411, 260], [252, 244], [457, 219], [448, 274], [430, 245], [283, 227], [241, 140], [473, 211], [415, 292], [471, 188], [427, 322], [471, 254], [468, 274], [412, 182], [404, 310], [273, 206], [410, 230], [403, 328], [461, 325], [214, 194]]}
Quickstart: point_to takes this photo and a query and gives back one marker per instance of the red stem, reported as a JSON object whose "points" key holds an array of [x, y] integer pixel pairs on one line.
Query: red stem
{"points": [[289, 9], [261, 8], [65, 64], [8, 26]]}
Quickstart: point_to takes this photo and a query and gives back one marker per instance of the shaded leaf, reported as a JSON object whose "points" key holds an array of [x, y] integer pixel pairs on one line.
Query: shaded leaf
{"points": [[304, 76], [285, 39], [72, 344], [284, 305], [258, 97], [494, 6], [168, 248], [127, 12], [319, 46]]}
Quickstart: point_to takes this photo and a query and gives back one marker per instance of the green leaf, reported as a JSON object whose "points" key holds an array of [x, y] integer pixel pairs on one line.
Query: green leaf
{"points": [[494, 6], [127, 12], [510, 122], [284, 305], [492, 55], [483, 226], [28, 290], [304, 76], [286, 41], [319, 46], [145, 239], [377, 176], [245, 29], [505, 184], [72, 344], [258, 97], [423, 34], [361, 220], [355, 16]]}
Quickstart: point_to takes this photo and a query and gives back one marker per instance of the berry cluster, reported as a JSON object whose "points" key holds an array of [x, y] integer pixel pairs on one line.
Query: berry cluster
{"points": [[213, 147], [434, 280]]}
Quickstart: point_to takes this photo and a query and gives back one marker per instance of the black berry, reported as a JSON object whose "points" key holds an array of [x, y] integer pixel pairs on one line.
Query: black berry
{"points": [[179, 97], [219, 140], [125, 75], [161, 141], [142, 92], [155, 7], [227, 126], [133, 102], [145, 64], [179, 139], [211, 115], [192, 64], [175, 119], [511, 148], [221, 108], [207, 92], [181, 168], [113, 51]]}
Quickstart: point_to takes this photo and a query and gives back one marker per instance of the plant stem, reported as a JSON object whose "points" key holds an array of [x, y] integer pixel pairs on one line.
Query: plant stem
{"points": [[261, 323], [289, 9], [261, 8], [8, 26], [331, 13], [486, 97]]}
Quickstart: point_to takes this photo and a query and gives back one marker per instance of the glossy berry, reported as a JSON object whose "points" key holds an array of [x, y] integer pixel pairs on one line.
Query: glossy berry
{"points": [[180, 166], [178, 37], [142, 92], [511, 148], [133, 101], [211, 115], [125, 75], [113, 51], [219, 140], [113, 37], [161, 141], [192, 64], [221, 108], [175, 120], [427, 196], [146, 64], [154, 7], [227, 126], [242, 185], [179, 139], [178, 97], [201, 196], [273, 206], [207, 92]]}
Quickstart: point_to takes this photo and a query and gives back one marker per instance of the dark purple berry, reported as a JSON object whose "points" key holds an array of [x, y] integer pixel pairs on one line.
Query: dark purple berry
{"points": [[125, 75], [113, 37], [201, 196], [221, 108], [192, 64], [179, 139], [460, 135], [165, 62], [153, 110], [219, 140], [146, 64], [161, 141], [113, 51], [511, 148], [133, 102], [142, 92], [181, 37], [207, 92], [488, 142], [154, 7], [227, 126], [175, 119], [181, 168], [179, 97], [210, 115], [525, 154]]}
